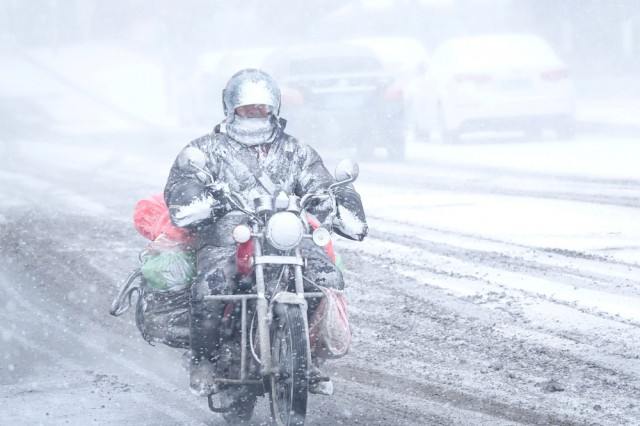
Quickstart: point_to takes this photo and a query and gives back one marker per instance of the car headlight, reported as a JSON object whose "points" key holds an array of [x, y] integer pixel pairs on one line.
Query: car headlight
{"points": [[284, 230]]}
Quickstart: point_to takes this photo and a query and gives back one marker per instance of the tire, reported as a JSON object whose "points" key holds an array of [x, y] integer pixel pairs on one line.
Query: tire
{"points": [[397, 140], [533, 133], [447, 135], [289, 386], [396, 151], [420, 134], [566, 129], [241, 402], [364, 150]]}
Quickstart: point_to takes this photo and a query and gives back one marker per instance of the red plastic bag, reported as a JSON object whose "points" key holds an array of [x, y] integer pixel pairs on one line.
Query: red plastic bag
{"points": [[329, 330], [151, 219]]}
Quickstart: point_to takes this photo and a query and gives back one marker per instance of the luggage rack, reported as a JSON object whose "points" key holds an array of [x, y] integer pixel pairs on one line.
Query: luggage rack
{"points": [[122, 302]]}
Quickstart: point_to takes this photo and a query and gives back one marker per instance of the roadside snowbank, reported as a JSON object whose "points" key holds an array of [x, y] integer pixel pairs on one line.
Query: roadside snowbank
{"points": [[587, 156]]}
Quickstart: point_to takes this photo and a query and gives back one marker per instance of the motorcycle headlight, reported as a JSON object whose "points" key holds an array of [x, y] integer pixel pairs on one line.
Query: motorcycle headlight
{"points": [[284, 231], [241, 234]]}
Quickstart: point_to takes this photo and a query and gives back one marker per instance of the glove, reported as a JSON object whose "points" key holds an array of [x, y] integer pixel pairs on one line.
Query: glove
{"points": [[350, 221], [220, 205]]}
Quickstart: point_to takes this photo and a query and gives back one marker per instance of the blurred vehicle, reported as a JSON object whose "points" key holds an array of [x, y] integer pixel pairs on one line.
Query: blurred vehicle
{"points": [[407, 60], [497, 82], [340, 95]]}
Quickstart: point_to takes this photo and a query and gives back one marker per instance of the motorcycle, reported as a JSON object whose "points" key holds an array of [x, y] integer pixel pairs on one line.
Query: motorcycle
{"points": [[265, 348]]}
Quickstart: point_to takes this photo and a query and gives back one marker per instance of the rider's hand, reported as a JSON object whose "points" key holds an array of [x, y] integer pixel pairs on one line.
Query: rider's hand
{"points": [[219, 193], [320, 208]]}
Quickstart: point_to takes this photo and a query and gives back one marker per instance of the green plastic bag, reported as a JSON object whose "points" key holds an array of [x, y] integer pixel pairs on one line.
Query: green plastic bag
{"points": [[169, 270]]}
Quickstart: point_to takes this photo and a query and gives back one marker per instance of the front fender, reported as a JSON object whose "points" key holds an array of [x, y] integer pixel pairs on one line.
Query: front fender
{"points": [[288, 298], [285, 298]]}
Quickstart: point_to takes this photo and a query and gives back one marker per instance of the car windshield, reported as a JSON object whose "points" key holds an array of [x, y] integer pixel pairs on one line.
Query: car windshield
{"points": [[334, 65], [397, 54], [498, 52]]}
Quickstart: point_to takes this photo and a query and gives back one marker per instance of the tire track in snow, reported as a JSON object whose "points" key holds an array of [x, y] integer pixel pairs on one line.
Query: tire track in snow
{"points": [[590, 261], [72, 338], [518, 295], [480, 336], [474, 179], [481, 276], [583, 271], [60, 358]]}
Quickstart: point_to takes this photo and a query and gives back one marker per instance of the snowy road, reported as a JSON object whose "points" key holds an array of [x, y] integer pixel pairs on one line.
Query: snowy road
{"points": [[500, 285]]}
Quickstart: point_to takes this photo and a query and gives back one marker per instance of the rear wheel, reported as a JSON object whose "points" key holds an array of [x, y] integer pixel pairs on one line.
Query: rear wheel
{"points": [[447, 135], [289, 384], [420, 130], [396, 139], [566, 128], [364, 150], [533, 133], [396, 151]]}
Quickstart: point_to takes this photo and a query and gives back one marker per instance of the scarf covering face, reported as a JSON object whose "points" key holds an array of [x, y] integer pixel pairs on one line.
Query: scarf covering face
{"points": [[252, 131]]}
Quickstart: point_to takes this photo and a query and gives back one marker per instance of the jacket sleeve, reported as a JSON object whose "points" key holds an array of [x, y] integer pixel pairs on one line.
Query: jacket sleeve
{"points": [[350, 219], [313, 175], [190, 201]]}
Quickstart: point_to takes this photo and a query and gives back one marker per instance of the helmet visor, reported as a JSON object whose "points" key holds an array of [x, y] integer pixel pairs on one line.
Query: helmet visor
{"points": [[254, 111]]}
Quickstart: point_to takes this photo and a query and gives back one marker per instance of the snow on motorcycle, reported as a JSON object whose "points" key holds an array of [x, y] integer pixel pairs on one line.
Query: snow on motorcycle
{"points": [[267, 340]]}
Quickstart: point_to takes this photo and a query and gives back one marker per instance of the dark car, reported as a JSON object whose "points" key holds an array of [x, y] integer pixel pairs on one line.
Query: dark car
{"points": [[340, 96]]}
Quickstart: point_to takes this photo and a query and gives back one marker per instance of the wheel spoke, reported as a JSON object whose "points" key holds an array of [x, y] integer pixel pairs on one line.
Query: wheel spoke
{"points": [[289, 384]]}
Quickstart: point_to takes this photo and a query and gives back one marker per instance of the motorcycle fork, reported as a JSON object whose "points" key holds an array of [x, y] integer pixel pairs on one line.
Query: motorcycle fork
{"points": [[303, 305], [262, 311], [265, 314]]}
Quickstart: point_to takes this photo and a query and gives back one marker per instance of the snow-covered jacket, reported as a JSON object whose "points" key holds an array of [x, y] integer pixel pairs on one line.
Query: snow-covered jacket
{"points": [[285, 165]]}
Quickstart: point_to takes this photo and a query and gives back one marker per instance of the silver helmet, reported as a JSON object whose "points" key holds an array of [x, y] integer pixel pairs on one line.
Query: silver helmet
{"points": [[251, 87]]}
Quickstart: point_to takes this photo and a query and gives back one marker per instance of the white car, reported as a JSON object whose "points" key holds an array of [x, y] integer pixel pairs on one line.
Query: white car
{"points": [[496, 82]]}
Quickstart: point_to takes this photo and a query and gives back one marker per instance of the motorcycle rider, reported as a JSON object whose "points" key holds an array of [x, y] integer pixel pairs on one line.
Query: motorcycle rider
{"points": [[251, 154]]}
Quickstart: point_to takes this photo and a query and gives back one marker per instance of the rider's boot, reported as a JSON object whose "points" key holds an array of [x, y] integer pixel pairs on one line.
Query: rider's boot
{"points": [[201, 373], [319, 383], [205, 337]]}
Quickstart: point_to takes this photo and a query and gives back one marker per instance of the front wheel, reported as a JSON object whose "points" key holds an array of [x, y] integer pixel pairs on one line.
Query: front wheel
{"points": [[289, 382]]}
